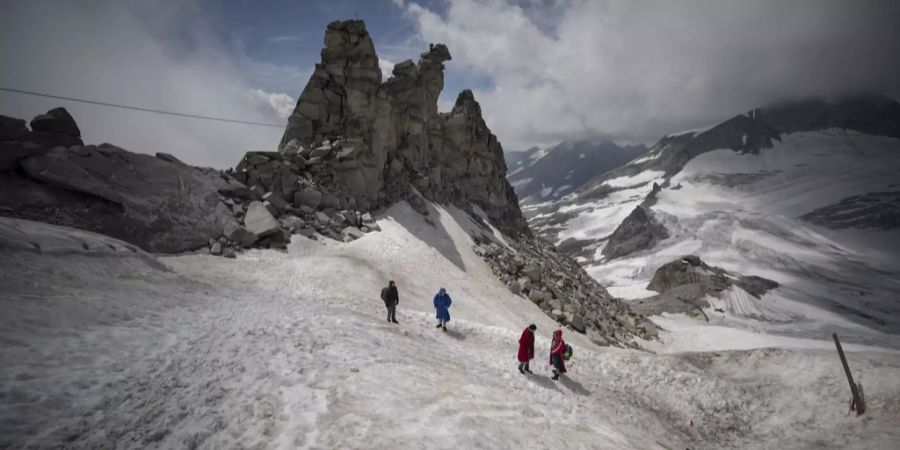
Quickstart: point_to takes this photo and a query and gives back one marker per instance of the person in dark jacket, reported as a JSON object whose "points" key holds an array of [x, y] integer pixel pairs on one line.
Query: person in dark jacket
{"points": [[442, 303], [391, 299], [526, 348], [557, 348]]}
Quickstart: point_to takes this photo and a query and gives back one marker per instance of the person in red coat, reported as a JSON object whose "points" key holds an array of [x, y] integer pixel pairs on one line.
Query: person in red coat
{"points": [[526, 348], [557, 348]]}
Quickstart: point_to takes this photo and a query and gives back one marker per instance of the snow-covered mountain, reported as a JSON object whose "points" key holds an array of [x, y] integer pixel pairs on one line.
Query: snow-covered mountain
{"points": [[541, 175], [803, 194]]}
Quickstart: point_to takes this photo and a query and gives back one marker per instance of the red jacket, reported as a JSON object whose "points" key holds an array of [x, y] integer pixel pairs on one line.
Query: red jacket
{"points": [[526, 346], [557, 347]]}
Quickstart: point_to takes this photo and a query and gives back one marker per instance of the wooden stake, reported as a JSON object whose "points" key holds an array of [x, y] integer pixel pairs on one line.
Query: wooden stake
{"points": [[857, 403]]}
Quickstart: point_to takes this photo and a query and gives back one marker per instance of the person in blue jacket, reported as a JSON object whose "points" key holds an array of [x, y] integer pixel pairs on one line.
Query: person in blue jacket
{"points": [[442, 303]]}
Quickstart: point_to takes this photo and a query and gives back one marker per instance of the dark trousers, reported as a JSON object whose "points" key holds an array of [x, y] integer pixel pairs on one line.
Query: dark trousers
{"points": [[391, 312], [524, 366]]}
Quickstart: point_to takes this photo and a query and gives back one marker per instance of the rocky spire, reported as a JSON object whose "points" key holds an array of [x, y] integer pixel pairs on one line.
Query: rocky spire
{"points": [[399, 141]]}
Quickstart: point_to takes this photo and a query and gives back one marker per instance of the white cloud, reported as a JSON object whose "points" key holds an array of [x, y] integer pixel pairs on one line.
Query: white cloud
{"points": [[280, 103], [637, 70], [136, 53], [386, 67]]}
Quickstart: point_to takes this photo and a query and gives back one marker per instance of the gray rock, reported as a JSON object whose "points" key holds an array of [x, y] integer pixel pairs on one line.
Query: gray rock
{"points": [[215, 249], [158, 206], [351, 234], [259, 220], [271, 208], [309, 197], [168, 158], [258, 191], [239, 234], [320, 152], [279, 239], [12, 128], [533, 272], [235, 189], [57, 120], [276, 201], [537, 296], [12, 152], [330, 201], [577, 323], [293, 223], [322, 218]]}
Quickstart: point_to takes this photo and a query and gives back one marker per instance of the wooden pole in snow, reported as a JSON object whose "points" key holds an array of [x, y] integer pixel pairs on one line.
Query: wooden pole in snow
{"points": [[857, 402]]}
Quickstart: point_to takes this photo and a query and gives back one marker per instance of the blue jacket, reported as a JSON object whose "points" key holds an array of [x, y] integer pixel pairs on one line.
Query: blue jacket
{"points": [[441, 307]]}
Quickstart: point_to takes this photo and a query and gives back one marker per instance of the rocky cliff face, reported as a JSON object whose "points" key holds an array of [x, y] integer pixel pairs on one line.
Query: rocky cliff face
{"points": [[393, 140]]}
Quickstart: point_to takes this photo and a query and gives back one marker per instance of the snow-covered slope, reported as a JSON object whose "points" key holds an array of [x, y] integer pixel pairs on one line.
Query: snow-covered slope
{"points": [[549, 174], [291, 350], [814, 210]]}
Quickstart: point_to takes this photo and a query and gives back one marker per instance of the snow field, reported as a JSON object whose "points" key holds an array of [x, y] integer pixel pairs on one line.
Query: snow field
{"points": [[291, 350]]}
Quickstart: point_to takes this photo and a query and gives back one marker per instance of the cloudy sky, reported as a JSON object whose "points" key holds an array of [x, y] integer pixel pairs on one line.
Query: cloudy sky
{"points": [[544, 71]]}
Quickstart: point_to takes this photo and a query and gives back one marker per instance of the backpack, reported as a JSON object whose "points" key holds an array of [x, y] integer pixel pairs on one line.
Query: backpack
{"points": [[567, 353], [384, 294]]}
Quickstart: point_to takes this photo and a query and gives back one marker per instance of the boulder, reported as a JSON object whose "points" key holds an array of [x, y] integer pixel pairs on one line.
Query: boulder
{"points": [[293, 223], [320, 152], [330, 201], [12, 128], [537, 296], [57, 120], [216, 248], [279, 239], [533, 272], [577, 324], [351, 234], [322, 218], [259, 220], [276, 201], [239, 234], [235, 189], [309, 197], [369, 222], [271, 208]]}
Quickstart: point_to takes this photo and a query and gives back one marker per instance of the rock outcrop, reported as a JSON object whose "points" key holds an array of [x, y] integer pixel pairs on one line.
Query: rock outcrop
{"points": [[394, 143], [639, 231], [684, 285], [162, 206]]}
